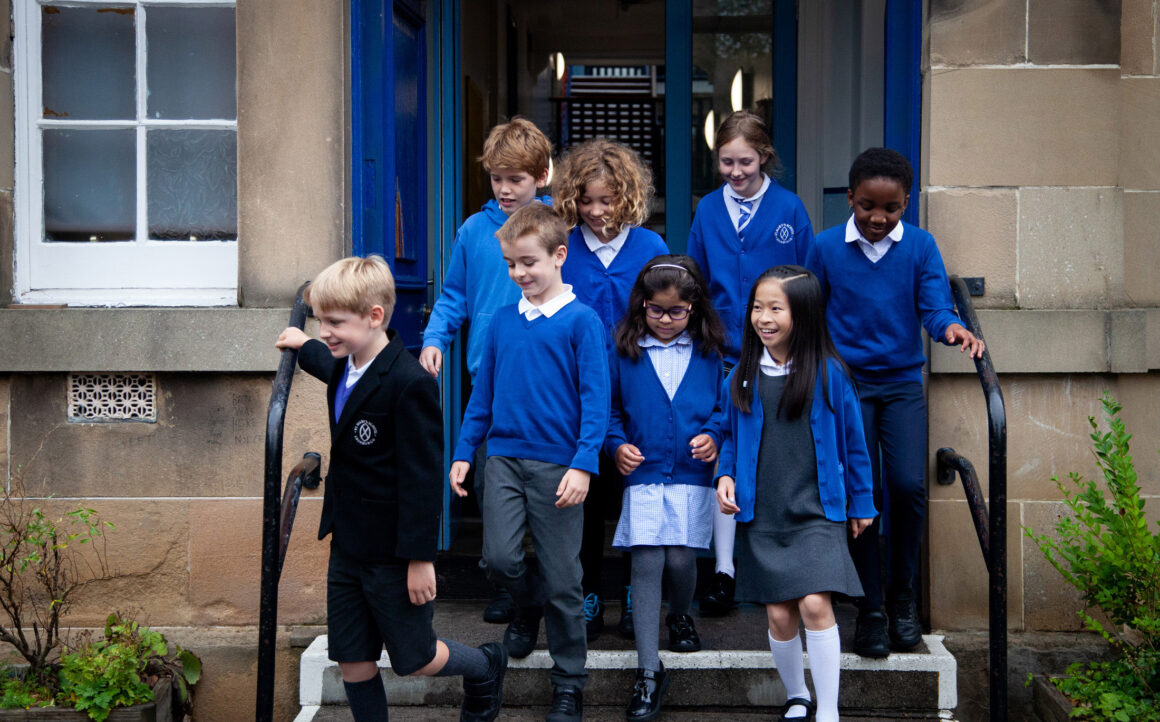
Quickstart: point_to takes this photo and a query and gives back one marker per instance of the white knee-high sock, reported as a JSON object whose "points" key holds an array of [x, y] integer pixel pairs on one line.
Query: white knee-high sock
{"points": [[724, 529], [790, 665], [825, 666]]}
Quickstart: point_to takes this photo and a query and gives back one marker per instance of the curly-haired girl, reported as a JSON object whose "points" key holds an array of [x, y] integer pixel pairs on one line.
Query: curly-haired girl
{"points": [[603, 189]]}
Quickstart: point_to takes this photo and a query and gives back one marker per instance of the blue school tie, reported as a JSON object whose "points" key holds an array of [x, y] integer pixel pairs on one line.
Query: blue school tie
{"points": [[746, 212]]}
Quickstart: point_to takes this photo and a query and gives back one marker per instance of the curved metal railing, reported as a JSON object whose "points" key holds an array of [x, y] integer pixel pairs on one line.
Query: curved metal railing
{"points": [[278, 510], [990, 523]]}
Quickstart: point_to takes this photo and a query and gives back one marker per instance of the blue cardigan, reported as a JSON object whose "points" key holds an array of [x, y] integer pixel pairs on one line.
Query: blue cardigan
{"points": [[875, 310], [845, 481], [606, 290], [542, 390], [644, 416], [778, 233], [475, 285]]}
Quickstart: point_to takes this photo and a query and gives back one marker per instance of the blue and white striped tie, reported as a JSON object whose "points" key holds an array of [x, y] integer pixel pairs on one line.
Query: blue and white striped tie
{"points": [[746, 208]]}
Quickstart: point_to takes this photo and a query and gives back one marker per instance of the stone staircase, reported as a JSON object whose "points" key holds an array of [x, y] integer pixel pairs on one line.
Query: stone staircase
{"points": [[732, 678]]}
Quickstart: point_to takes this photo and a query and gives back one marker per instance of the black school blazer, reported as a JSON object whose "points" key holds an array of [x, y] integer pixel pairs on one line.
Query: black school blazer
{"points": [[384, 488]]}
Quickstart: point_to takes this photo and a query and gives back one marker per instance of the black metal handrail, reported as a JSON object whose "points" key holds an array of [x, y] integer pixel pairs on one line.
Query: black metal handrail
{"points": [[990, 519], [277, 515]]}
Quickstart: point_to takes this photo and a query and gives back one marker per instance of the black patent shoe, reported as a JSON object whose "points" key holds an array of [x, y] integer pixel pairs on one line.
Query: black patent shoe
{"points": [[593, 617], [501, 609], [567, 704], [646, 694], [626, 628], [870, 634], [809, 705], [719, 599], [482, 700], [521, 634], [905, 630], [682, 634]]}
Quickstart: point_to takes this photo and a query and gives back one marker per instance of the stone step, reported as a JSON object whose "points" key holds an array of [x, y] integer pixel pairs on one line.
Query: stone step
{"points": [[591, 714], [735, 670]]}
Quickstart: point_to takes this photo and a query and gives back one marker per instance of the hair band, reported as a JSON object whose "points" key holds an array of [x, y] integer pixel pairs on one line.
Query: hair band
{"points": [[668, 265]]}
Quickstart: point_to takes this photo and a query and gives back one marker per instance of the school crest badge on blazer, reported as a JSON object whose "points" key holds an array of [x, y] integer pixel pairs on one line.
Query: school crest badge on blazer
{"points": [[365, 432]]}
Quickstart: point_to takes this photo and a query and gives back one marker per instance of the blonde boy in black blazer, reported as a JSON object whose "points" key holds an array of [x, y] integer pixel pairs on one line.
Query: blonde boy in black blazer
{"points": [[383, 496]]}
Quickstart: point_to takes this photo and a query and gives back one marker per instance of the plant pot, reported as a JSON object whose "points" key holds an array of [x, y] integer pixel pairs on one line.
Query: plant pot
{"points": [[137, 713], [1050, 704]]}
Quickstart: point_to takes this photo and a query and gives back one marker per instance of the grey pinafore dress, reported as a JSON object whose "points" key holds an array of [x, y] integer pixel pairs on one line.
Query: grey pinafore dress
{"points": [[790, 549]]}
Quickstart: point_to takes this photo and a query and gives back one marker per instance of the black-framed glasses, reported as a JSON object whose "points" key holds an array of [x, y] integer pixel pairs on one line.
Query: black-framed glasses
{"points": [[676, 313]]}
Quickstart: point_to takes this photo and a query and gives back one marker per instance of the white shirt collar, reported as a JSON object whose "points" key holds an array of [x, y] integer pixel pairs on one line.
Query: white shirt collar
{"points": [[760, 191], [648, 341], [770, 367], [354, 373], [604, 251], [547, 308], [854, 234]]}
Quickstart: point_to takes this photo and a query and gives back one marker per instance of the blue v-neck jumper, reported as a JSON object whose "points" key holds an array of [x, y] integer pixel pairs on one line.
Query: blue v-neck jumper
{"points": [[779, 233], [606, 290], [542, 390], [875, 310]]}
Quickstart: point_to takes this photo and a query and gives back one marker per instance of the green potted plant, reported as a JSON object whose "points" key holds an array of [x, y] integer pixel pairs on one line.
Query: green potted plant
{"points": [[45, 561], [1108, 550]]}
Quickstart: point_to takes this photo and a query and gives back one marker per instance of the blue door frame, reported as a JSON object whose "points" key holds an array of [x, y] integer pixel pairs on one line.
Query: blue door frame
{"points": [[377, 69], [389, 179]]}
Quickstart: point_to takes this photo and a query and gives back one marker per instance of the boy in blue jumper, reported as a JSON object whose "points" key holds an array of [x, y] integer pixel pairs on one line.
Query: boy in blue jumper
{"points": [[541, 399], [884, 281], [383, 496], [515, 157]]}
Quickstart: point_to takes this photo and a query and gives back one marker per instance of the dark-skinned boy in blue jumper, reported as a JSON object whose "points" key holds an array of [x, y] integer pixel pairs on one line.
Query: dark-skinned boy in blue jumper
{"points": [[884, 281], [541, 399]]}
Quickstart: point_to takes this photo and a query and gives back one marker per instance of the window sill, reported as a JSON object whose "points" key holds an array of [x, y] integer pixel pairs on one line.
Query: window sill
{"points": [[140, 339]]}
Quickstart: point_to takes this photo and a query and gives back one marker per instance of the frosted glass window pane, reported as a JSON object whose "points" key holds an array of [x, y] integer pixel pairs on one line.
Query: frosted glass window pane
{"points": [[193, 184], [90, 189], [88, 60], [192, 65]]}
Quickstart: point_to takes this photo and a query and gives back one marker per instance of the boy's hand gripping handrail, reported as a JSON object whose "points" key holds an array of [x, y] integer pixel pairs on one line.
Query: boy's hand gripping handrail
{"points": [[276, 516], [990, 523]]}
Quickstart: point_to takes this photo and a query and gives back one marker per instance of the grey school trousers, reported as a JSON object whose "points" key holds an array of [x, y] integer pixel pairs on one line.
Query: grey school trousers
{"points": [[521, 493]]}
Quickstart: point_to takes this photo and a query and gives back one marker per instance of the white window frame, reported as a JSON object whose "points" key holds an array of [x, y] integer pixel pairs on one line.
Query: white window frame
{"points": [[140, 272]]}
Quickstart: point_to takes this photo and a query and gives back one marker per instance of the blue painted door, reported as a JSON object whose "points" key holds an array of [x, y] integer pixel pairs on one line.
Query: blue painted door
{"points": [[389, 159]]}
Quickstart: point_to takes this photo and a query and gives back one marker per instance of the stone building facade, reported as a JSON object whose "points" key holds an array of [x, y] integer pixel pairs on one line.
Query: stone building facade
{"points": [[1040, 172]]}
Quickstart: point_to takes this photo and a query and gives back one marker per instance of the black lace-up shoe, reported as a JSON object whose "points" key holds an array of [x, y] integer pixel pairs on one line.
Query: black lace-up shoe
{"points": [[905, 630], [567, 705], [482, 700], [646, 694], [501, 609], [682, 634], [521, 634], [870, 634], [719, 599]]}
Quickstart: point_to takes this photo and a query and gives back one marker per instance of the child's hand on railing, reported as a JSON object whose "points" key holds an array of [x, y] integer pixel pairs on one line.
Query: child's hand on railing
{"points": [[957, 335], [291, 338]]}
